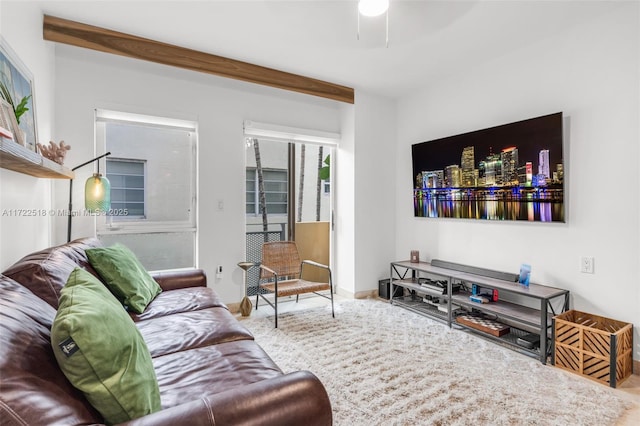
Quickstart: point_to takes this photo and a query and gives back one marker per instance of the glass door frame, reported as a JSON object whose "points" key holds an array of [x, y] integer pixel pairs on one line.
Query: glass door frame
{"points": [[294, 136]]}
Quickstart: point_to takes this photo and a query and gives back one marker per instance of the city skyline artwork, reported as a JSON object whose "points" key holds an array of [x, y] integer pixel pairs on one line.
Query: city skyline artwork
{"points": [[509, 172]]}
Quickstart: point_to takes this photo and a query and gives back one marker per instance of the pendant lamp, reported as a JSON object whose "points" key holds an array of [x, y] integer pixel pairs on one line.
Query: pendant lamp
{"points": [[97, 193]]}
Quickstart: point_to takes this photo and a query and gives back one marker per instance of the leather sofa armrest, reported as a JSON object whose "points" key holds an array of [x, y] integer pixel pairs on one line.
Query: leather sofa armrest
{"points": [[171, 280], [297, 398]]}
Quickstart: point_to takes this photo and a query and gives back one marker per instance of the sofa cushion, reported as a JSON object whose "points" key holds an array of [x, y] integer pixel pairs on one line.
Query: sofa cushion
{"points": [[124, 275], [46, 272], [180, 300], [34, 390], [101, 351], [188, 330], [186, 376]]}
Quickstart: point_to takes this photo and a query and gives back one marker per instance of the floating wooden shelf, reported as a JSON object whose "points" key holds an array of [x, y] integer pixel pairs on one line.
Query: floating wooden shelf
{"points": [[22, 160]]}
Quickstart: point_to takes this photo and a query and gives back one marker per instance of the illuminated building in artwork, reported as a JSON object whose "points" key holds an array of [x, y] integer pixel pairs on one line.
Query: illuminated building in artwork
{"points": [[432, 179], [490, 171], [452, 176], [543, 164], [559, 173], [509, 157], [541, 180], [525, 174], [468, 161]]}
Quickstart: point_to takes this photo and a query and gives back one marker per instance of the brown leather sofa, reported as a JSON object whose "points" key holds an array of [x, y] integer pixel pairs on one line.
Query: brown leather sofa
{"points": [[210, 370]]}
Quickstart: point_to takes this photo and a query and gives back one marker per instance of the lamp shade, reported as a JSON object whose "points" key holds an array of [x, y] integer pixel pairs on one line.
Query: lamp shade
{"points": [[373, 7], [97, 194]]}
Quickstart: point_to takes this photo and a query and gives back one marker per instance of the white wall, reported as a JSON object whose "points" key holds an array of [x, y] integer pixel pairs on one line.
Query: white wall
{"points": [[375, 131], [344, 236], [21, 25], [591, 74], [86, 80]]}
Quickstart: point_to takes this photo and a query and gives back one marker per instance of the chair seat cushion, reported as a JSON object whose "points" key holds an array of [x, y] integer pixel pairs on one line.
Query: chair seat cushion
{"points": [[291, 287]]}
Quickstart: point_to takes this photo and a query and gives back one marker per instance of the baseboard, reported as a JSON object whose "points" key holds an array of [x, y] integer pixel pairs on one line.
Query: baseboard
{"points": [[357, 295], [344, 293], [366, 294]]}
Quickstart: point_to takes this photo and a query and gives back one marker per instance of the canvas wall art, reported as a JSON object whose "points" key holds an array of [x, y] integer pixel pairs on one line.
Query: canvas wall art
{"points": [[16, 88], [509, 172]]}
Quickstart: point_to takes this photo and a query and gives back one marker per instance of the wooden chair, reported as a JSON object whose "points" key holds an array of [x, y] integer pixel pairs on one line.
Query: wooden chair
{"points": [[281, 273]]}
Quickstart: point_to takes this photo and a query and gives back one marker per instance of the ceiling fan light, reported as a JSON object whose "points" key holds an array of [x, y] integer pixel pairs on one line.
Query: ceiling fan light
{"points": [[373, 7]]}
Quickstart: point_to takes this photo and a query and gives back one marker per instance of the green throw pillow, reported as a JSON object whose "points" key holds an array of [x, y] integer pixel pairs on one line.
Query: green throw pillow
{"points": [[102, 353], [124, 275]]}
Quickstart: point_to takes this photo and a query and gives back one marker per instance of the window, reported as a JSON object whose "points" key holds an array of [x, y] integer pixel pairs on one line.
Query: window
{"points": [[153, 172], [275, 191], [127, 187]]}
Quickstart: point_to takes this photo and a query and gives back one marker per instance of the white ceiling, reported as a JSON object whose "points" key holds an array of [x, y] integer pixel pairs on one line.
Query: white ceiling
{"points": [[428, 39]]}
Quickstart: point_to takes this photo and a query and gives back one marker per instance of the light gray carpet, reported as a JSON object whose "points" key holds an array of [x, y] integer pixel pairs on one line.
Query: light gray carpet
{"points": [[384, 365]]}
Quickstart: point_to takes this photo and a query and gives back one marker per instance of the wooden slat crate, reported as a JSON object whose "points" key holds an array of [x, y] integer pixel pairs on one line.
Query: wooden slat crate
{"points": [[596, 347]]}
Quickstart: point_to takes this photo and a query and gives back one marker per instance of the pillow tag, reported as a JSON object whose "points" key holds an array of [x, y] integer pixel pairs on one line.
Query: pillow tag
{"points": [[68, 347]]}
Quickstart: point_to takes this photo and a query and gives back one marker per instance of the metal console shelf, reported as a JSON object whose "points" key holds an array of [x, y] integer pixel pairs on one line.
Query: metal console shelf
{"points": [[522, 319]]}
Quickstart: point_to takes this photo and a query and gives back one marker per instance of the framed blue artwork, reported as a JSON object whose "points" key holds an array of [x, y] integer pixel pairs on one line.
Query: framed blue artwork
{"points": [[16, 88]]}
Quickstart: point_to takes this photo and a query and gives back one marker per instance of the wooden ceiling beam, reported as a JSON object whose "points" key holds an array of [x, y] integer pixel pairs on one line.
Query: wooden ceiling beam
{"points": [[103, 40]]}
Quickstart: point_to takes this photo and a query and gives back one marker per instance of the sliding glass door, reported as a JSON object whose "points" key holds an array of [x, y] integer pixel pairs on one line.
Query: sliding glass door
{"points": [[288, 197]]}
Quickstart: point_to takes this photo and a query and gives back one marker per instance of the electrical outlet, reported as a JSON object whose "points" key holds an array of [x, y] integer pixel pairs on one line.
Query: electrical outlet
{"points": [[586, 265]]}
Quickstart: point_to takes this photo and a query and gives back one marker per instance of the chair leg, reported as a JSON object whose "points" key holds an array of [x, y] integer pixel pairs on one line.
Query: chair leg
{"points": [[276, 309], [257, 298], [333, 313], [297, 295]]}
